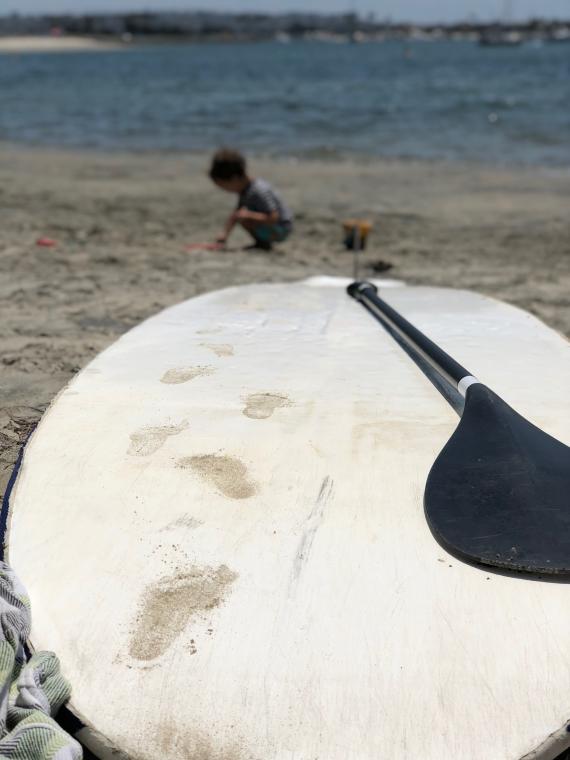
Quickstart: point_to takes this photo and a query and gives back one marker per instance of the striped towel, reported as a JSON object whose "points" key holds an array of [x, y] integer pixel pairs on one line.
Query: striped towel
{"points": [[31, 692]]}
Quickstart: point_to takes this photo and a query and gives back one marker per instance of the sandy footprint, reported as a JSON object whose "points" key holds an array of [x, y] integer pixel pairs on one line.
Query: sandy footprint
{"points": [[260, 406], [228, 475], [147, 440], [169, 604], [220, 349], [179, 375]]}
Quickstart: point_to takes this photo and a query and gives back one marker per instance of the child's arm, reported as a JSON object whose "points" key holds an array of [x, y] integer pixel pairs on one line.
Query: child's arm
{"points": [[270, 217], [228, 227]]}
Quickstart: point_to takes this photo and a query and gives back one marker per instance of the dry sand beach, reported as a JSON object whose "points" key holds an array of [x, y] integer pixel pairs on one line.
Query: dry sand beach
{"points": [[121, 223], [54, 44]]}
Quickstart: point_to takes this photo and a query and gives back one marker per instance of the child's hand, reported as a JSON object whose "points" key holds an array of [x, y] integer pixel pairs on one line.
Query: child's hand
{"points": [[205, 247]]}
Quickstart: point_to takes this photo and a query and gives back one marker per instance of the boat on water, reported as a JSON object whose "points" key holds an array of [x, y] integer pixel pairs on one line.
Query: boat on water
{"points": [[220, 523], [500, 37], [559, 35]]}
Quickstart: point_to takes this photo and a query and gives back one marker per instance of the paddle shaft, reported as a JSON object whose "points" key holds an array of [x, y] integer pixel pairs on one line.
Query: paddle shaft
{"points": [[456, 375]]}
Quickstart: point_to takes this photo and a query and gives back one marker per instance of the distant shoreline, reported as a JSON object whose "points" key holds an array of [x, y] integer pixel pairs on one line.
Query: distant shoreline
{"points": [[62, 44], [207, 25], [346, 158], [45, 43]]}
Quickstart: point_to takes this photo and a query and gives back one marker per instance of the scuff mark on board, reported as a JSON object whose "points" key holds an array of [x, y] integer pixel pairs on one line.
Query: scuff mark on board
{"points": [[310, 528], [184, 521]]}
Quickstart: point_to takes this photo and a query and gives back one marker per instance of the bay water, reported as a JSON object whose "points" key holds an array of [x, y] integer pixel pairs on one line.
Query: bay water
{"points": [[450, 100]]}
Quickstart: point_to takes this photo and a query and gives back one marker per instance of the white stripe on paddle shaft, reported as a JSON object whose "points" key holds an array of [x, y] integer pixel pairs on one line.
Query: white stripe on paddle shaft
{"points": [[465, 382], [461, 386]]}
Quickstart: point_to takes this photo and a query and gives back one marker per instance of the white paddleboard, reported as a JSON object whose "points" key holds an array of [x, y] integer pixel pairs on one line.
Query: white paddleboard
{"points": [[220, 525]]}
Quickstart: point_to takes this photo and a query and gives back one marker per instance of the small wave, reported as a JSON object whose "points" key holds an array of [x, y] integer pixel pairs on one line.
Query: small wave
{"points": [[540, 138]]}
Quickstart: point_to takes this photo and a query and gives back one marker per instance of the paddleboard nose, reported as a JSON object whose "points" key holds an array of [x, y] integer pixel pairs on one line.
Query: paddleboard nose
{"points": [[355, 289]]}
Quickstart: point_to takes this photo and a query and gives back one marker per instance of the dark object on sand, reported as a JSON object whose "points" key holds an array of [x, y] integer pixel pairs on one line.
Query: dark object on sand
{"points": [[381, 266]]}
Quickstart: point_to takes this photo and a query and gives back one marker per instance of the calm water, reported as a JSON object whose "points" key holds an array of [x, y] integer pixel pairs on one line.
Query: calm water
{"points": [[451, 100]]}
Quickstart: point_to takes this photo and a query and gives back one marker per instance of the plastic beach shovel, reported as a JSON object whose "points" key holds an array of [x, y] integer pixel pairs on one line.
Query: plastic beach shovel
{"points": [[45, 242], [499, 492]]}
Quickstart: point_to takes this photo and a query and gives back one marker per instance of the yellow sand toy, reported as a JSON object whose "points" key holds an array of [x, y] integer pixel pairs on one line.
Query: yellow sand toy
{"points": [[356, 232]]}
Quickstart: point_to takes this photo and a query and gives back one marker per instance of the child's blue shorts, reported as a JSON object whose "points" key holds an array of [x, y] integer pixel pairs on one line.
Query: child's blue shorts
{"points": [[272, 233]]}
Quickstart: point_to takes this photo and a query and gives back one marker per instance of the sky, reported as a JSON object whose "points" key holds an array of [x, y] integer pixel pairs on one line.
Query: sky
{"points": [[412, 10]]}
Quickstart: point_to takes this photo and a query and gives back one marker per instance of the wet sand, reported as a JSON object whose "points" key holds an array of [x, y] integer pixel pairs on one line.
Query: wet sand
{"points": [[121, 223]]}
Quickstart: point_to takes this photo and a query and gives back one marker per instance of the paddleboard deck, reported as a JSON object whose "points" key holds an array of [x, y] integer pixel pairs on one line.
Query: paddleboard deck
{"points": [[220, 525]]}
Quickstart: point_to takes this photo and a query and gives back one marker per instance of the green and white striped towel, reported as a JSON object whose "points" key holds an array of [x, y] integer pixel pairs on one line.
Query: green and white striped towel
{"points": [[32, 692]]}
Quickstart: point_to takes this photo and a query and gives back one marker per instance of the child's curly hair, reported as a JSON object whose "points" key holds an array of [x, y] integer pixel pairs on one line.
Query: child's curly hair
{"points": [[227, 163]]}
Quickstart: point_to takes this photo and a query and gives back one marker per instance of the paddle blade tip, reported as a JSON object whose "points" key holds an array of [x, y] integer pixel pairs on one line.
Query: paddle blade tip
{"points": [[499, 492]]}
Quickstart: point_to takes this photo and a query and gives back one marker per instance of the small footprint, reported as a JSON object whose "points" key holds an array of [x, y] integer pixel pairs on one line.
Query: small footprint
{"points": [[227, 474], [220, 349], [260, 406], [147, 440], [179, 375], [169, 604]]}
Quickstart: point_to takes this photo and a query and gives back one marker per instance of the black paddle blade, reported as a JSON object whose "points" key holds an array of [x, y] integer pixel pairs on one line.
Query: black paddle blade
{"points": [[499, 492]]}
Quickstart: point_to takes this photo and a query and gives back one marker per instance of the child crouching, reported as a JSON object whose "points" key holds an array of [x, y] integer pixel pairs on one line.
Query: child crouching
{"points": [[259, 209]]}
